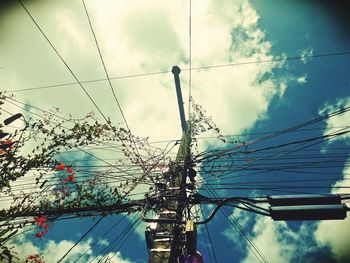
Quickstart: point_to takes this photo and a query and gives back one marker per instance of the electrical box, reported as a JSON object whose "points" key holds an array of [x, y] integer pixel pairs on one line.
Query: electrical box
{"points": [[191, 237], [308, 212], [304, 199]]}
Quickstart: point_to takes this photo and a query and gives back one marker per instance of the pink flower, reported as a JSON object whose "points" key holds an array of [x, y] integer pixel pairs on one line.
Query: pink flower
{"points": [[70, 170]]}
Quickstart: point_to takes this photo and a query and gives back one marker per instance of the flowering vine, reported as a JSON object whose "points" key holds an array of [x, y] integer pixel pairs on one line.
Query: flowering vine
{"points": [[35, 258], [42, 225], [53, 134]]}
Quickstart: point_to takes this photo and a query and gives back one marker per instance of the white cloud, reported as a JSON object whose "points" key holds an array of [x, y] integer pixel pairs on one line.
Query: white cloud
{"points": [[103, 242], [336, 234], [53, 251], [302, 79], [339, 122], [279, 243], [67, 26], [137, 37], [244, 220], [276, 241], [305, 55]]}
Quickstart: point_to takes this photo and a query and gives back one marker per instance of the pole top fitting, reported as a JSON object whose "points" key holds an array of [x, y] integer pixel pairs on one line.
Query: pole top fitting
{"points": [[176, 70]]}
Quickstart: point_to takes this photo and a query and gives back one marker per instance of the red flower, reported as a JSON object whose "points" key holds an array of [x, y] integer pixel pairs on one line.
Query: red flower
{"points": [[40, 234], [66, 191], [35, 259], [70, 178], [41, 222], [70, 170], [33, 256], [60, 167], [8, 141], [40, 219]]}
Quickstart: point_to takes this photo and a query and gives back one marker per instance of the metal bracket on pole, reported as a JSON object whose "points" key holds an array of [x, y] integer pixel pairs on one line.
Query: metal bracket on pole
{"points": [[156, 220]]}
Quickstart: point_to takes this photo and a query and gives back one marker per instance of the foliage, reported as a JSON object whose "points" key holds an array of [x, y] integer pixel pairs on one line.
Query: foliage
{"points": [[201, 123], [36, 152]]}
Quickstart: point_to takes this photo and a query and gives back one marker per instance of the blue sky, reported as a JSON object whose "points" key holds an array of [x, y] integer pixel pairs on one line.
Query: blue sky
{"points": [[250, 100]]}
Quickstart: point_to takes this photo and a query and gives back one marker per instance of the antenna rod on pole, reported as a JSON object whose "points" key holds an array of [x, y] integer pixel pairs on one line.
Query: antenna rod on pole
{"points": [[176, 72]]}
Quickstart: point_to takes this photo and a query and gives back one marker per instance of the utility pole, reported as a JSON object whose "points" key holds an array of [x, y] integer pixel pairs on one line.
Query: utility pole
{"points": [[166, 234], [171, 234]]}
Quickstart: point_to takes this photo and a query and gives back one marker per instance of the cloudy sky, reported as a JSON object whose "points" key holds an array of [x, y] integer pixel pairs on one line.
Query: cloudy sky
{"points": [[256, 68]]}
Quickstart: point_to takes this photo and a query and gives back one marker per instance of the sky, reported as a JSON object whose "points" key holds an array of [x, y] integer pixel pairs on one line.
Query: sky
{"points": [[140, 43]]}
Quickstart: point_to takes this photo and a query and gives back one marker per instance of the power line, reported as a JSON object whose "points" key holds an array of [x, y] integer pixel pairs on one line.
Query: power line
{"points": [[80, 239], [92, 81], [104, 65], [275, 134], [255, 250], [78, 148], [190, 60], [210, 241], [345, 53], [118, 239], [62, 59], [102, 236], [272, 60]]}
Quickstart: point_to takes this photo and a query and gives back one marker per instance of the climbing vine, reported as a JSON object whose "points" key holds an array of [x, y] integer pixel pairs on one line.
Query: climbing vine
{"points": [[36, 149]]}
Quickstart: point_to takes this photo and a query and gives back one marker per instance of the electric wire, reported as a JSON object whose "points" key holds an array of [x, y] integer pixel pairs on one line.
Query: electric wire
{"points": [[190, 59], [190, 69], [273, 135], [206, 244], [345, 53], [210, 240], [104, 65], [81, 238], [100, 237], [62, 59], [115, 241], [256, 251]]}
